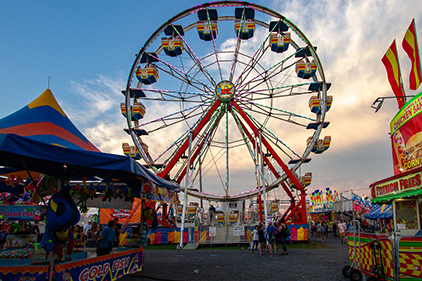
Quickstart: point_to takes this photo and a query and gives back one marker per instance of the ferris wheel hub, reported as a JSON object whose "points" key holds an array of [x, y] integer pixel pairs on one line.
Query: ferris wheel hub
{"points": [[225, 90]]}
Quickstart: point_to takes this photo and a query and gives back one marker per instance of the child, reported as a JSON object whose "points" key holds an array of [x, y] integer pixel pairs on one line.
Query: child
{"points": [[255, 239]]}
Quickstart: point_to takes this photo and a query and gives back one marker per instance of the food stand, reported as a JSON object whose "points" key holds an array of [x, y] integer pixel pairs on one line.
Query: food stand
{"points": [[396, 255]]}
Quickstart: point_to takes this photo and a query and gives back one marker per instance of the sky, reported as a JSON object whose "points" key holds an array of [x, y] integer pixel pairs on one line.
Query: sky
{"points": [[85, 50]]}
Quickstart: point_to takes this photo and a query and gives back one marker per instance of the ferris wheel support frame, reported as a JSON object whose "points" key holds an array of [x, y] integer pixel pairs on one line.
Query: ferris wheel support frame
{"points": [[279, 161]]}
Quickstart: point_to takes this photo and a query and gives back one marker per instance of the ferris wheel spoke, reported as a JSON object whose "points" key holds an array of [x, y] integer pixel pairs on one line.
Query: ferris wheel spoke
{"points": [[198, 62], [252, 62], [275, 92], [215, 47], [182, 75], [264, 109], [177, 144], [276, 157], [271, 69], [250, 143], [202, 144], [277, 140], [268, 77], [176, 117], [184, 79], [167, 95], [236, 50], [194, 131]]}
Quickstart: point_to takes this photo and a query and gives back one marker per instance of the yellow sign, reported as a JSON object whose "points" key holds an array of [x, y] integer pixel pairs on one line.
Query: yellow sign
{"points": [[397, 185], [413, 108]]}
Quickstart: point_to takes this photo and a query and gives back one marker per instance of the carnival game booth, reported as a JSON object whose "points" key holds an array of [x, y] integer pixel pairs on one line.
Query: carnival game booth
{"points": [[40, 138]]}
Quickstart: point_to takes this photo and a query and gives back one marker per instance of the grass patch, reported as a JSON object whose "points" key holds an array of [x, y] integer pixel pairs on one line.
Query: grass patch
{"points": [[162, 247], [297, 245]]}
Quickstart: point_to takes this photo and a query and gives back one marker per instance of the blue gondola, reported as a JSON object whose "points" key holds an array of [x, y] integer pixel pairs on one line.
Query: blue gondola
{"points": [[147, 75], [172, 46], [305, 69], [207, 32], [244, 29], [279, 42]]}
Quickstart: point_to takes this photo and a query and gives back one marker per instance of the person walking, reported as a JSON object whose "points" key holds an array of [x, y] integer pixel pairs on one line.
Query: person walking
{"points": [[117, 229], [261, 238], [342, 231], [319, 231], [271, 236], [283, 233], [255, 239], [335, 229], [86, 228], [106, 239], [92, 236]]}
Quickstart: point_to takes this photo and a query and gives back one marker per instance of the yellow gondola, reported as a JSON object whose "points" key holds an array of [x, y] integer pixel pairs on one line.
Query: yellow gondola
{"points": [[244, 29], [315, 104], [172, 46], [131, 151], [321, 145], [138, 111], [206, 32], [304, 180], [306, 69], [279, 42], [147, 75]]}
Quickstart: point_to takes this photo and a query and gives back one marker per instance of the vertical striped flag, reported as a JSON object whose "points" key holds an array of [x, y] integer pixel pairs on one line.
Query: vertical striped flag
{"points": [[329, 195], [410, 46], [391, 63]]}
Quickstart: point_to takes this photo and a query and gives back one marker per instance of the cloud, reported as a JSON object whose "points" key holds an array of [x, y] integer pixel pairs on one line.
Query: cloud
{"points": [[351, 37], [98, 112]]}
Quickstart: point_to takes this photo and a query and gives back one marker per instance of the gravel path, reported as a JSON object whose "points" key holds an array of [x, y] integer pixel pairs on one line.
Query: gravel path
{"points": [[324, 263]]}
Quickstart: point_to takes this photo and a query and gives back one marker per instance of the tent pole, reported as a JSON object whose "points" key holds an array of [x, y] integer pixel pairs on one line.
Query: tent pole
{"points": [[30, 176], [185, 196]]}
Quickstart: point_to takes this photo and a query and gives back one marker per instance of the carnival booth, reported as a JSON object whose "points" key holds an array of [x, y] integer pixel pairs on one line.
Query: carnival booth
{"points": [[40, 138], [395, 254]]}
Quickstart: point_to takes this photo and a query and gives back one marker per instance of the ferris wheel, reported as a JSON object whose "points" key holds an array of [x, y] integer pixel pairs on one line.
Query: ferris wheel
{"points": [[222, 90]]}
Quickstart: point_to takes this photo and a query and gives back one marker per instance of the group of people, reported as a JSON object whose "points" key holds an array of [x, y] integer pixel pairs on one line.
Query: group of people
{"points": [[103, 238], [271, 236], [22, 227], [339, 229]]}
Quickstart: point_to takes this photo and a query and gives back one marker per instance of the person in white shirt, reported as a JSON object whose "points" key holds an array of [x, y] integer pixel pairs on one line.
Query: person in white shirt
{"points": [[87, 227], [342, 228], [255, 239]]}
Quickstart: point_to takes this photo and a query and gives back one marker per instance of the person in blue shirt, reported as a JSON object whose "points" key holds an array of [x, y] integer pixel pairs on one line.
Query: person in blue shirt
{"points": [[105, 241], [272, 234]]}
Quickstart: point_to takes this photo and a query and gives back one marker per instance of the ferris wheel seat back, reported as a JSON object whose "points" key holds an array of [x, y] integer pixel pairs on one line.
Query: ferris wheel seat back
{"points": [[320, 145], [138, 111], [304, 180], [233, 218], [274, 208], [207, 31], [306, 69], [244, 29], [172, 46], [131, 151], [279, 42], [220, 218], [147, 75], [315, 104]]}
